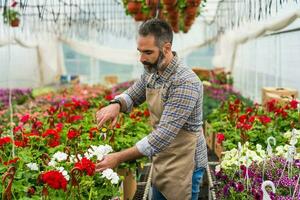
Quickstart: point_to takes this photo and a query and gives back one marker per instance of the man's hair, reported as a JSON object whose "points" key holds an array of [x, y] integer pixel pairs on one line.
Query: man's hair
{"points": [[160, 29]]}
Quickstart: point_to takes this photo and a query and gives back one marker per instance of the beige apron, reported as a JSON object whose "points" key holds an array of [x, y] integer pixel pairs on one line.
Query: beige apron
{"points": [[173, 167]]}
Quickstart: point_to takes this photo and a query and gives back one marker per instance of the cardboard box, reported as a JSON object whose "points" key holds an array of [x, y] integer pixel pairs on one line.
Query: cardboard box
{"points": [[282, 94], [129, 184], [209, 135]]}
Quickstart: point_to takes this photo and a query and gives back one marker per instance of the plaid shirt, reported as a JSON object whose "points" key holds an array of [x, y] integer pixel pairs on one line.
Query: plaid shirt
{"points": [[182, 102]]}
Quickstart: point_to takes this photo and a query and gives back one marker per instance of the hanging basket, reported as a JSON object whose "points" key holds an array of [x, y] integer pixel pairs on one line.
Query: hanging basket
{"points": [[134, 7], [15, 22]]}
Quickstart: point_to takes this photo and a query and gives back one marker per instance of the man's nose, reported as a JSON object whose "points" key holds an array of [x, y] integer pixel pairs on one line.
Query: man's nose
{"points": [[142, 58]]}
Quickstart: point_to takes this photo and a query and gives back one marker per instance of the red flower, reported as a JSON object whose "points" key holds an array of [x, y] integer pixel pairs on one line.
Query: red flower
{"points": [[249, 110], [72, 134], [118, 125], [4, 140], [264, 119], [146, 113], [294, 104], [59, 127], [251, 119], [25, 118], [242, 118], [220, 138], [61, 115], [109, 97], [21, 143], [87, 166], [271, 105], [12, 161], [18, 128], [237, 102], [54, 140], [132, 116], [247, 126], [55, 180], [75, 118]]}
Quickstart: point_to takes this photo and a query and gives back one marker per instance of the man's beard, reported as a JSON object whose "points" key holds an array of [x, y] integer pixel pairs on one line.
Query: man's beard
{"points": [[157, 65]]}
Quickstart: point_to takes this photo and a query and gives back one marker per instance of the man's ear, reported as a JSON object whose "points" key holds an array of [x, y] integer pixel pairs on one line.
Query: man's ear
{"points": [[167, 48]]}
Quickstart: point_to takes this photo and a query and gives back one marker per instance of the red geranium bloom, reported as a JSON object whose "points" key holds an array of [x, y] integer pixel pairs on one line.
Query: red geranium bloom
{"points": [[271, 105], [21, 143], [61, 115], [75, 118], [72, 134], [251, 119], [220, 138], [294, 104], [118, 125], [242, 118], [146, 113], [4, 140], [55, 180], [25, 118], [12, 161], [264, 119], [59, 127], [87, 166], [54, 140]]}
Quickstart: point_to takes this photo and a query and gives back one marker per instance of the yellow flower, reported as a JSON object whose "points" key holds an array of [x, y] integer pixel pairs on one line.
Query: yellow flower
{"points": [[103, 130]]}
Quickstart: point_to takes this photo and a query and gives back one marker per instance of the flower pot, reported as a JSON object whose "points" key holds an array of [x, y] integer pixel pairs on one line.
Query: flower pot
{"points": [[15, 22], [152, 3], [194, 3], [170, 2], [134, 7], [140, 16], [191, 11]]}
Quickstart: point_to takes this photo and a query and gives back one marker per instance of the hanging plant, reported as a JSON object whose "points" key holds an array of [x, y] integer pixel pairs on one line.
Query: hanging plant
{"points": [[11, 17]]}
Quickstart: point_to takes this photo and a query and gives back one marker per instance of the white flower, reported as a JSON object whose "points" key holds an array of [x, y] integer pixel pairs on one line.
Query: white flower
{"points": [[99, 151], [33, 166], [111, 175], [60, 156], [52, 163]]}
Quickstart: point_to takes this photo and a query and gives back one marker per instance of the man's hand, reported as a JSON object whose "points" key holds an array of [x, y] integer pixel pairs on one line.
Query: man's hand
{"points": [[110, 161], [114, 159], [109, 112]]}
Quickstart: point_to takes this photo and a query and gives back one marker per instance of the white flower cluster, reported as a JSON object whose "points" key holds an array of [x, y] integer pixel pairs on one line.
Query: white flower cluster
{"points": [[234, 158], [98, 151], [64, 173], [57, 157], [33, 166], [111, 175]]}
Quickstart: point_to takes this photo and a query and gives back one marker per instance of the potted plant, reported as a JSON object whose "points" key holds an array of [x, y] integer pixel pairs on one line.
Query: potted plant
{"points": [[12, 17]]}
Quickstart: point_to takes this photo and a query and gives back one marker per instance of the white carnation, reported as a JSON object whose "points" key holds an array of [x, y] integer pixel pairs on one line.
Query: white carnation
{"points": [[60, 156]]}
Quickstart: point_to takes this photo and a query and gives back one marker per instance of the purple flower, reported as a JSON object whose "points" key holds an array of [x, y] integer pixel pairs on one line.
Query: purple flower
{"points": [[226, 190], [239, 187]]}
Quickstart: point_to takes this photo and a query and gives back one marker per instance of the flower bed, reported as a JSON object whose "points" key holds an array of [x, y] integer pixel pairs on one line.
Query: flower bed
{"points": [[56, 136]]}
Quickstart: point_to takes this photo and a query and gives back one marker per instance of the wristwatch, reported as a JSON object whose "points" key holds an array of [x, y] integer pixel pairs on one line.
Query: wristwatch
{"points": [[116, 101]]}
